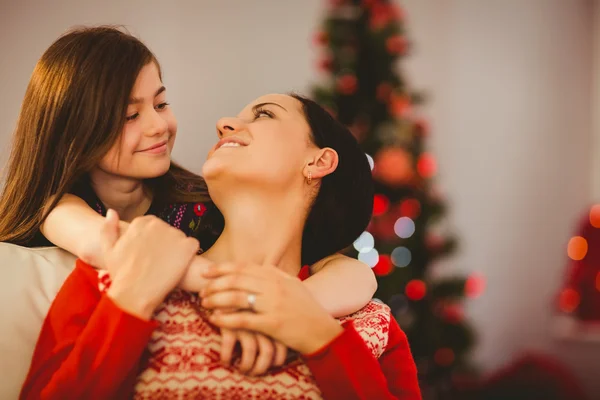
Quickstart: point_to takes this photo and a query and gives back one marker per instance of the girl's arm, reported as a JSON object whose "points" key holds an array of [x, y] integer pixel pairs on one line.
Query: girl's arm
{"points": [[342, 285], [74, 226]]}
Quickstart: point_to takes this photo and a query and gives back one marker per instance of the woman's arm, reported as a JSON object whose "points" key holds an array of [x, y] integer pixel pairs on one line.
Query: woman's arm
{"points": [[74, 226], [346, 368], [342, 285], [88, 347]]}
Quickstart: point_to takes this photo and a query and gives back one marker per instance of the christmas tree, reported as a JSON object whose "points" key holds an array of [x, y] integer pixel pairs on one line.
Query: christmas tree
{"points": [[361, 43]]}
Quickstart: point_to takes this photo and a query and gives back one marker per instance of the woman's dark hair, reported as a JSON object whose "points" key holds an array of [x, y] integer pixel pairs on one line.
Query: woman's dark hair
{"points": [[343, 206], [73, 112]]}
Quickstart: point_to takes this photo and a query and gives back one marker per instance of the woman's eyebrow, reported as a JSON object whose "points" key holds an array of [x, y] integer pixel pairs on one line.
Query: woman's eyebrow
{"points": [[260, 105]]}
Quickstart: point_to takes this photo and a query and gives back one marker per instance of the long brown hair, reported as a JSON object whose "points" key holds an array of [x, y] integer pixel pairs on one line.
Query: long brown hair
{"points": [[73, 112]]}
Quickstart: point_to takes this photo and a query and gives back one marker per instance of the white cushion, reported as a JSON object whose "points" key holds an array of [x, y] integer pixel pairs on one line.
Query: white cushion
{"points": [[29, 281]]}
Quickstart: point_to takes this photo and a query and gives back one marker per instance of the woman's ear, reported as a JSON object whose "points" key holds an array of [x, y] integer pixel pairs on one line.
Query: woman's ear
{"points": [[323, 164]]}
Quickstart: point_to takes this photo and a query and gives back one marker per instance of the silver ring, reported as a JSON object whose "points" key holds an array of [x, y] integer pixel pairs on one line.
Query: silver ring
{"points": [[251, 301]]}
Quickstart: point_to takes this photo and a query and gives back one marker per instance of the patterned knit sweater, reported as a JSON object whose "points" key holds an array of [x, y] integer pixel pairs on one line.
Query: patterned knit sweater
{"points": [[91, 349]]}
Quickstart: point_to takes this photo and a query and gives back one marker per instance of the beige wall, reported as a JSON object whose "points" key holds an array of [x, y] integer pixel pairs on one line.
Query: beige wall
{"points": [[510, 84]]}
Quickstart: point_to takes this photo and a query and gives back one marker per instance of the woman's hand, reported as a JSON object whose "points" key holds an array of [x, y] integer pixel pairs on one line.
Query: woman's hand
{"points": [[145, 263], [258, 352], [282, 307]]}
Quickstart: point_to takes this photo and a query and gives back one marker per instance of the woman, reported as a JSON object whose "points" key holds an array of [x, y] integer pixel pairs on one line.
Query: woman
{"points": [[296, 171], [95, 123]]}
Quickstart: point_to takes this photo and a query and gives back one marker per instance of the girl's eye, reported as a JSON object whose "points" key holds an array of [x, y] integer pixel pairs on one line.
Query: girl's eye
{"points": [[162, 106], [132, 117]]}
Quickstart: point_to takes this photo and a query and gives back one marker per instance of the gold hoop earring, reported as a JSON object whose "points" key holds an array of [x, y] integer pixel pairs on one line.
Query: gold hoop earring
{"points": [[309, 179]]}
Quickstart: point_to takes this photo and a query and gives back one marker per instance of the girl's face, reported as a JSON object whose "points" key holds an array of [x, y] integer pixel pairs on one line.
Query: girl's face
{"points": [[267, 143], [144, 148]]}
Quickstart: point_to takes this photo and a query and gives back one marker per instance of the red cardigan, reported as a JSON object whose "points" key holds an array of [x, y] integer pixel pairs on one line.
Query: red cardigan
{"points": [[89, 348]]}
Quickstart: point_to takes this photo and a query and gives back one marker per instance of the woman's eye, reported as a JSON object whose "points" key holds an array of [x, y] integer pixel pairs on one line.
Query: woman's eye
{"points": [[263, 113], [162, 106], [132, 117]]}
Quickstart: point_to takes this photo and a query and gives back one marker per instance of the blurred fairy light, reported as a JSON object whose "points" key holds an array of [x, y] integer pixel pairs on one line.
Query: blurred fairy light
{"points": [[371, 162], [370, 257], [364, 243], [404, 227], [401, 257], [577, 248]]}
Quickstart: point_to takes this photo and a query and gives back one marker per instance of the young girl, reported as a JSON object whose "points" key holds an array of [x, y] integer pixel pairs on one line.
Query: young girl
{"points": [[95, 123], [300, 176]]}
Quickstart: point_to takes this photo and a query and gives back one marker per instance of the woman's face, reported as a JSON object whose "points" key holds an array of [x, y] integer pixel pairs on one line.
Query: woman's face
{"points": [[268, 142], [144, 148]]}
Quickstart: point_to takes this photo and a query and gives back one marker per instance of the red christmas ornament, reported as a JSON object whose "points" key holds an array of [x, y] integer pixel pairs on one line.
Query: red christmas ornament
{"points": [[347, 84], [321, 38], [434, 242], [383, 92], [380, 204], [325, 64], [399, 105], [444, 357], [410, 208], [393, 166], [474, 286], [396, 44], [568, 300], [384, 266], [426, 165], [415, 290], [453, 313], [381, 15]]}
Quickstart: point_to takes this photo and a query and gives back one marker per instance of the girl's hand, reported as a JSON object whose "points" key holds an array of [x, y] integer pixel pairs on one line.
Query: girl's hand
{"points": [[281, 306], [145, 263]]}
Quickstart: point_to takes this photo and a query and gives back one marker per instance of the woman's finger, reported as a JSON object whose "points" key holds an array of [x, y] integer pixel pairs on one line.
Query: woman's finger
{"points": [[228, 340], [235, 299], [233, 282], [280, 354], [266, 351], [249, 349]]}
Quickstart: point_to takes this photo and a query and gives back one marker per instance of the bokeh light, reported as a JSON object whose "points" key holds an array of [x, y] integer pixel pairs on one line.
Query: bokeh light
{"points": [[404, 227], [415, 289], [380, 204], [384, 265], [595, 216], [371, 162], [577, 248], [568, 300], [364, 243], [371, 257], [426, 166], [474, 286], [401, 257], [410, 208]]}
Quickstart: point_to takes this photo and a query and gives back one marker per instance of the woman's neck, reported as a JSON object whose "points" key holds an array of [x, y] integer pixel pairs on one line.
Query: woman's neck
{"points": [[262, 229], [127, 196]]}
